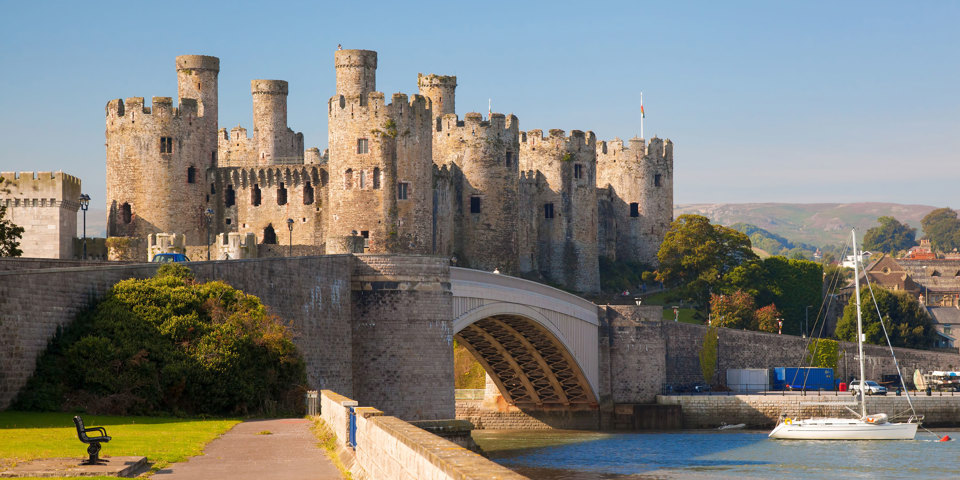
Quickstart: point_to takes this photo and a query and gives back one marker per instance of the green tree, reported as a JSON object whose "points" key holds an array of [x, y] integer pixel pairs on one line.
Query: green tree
{"points": [[708, 355], [890, 236], [736, 310], [942, 227], [790, 284], [907, 323], [695, 255], [823, 353], [10, 233], [767, 319]]}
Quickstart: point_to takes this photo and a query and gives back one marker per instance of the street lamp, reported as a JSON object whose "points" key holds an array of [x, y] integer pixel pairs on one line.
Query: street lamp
{"points": [[290, 228], [209, 214], [84, 205]]}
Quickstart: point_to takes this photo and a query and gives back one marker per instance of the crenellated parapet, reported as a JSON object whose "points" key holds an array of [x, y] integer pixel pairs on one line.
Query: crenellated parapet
{"points": [[441, 90], [134, 114], [45, 204], [40, 189]]}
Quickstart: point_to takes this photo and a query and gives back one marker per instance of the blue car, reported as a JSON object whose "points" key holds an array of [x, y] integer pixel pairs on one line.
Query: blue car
{"points": [[169, 257]]}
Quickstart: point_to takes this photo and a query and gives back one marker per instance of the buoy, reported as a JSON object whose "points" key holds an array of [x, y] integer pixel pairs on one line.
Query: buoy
{"points": [[946, 438]]}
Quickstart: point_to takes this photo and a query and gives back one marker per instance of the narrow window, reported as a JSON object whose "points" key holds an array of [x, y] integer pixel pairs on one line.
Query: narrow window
{"points": [[474, 204], [656, 180], [166, 144], [362, 146], [376, 178], [634, 209], [348, 179], [126, 214], [366, 239], [307, 193], [255, 195], [324, 178], [402, 190], [363, 179], [548, 210], [228, 221], [577, 170], [229, 196], [509, 161], [269, 235], [192, 175], [213, 189], [282, 195], [213, 158]]}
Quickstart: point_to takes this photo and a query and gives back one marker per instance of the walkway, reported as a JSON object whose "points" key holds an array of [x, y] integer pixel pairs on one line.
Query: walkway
{"points": [[289, 452]]}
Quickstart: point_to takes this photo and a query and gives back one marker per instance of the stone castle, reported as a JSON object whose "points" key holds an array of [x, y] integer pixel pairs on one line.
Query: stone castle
{"points": [[408, 176]]}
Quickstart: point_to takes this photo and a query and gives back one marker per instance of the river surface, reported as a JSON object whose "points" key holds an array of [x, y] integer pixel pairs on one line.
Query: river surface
{"points": [[570, 455]]}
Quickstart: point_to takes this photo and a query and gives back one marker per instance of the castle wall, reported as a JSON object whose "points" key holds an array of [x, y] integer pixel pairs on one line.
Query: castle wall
{"points": [[565, 201], [639, 174], [45, 204], [484, 239]]}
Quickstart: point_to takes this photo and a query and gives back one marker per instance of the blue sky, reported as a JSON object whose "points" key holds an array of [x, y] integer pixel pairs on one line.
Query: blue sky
{"points": [[766, 101]]}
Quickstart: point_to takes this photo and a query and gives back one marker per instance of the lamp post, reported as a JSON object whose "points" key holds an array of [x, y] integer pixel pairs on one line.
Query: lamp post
{"points": [[290, 228], [209, 214], [84, 205]]}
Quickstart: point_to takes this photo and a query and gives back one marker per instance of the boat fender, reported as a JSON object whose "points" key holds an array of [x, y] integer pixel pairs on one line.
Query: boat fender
{"points": [[788, 421], [946, 438]]}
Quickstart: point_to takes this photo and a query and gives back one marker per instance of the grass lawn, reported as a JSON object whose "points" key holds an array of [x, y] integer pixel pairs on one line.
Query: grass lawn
{"points": [[163, 440]]}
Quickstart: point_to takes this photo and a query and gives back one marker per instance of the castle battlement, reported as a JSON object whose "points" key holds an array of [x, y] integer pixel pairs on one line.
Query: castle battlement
{"points": [[49, 187], [374, 103], [473, 121], [162, 108], [246, 177], [577, 140]]}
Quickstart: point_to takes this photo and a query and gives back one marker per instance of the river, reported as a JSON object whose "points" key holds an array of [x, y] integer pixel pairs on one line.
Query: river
{"points": [[574, 455]]}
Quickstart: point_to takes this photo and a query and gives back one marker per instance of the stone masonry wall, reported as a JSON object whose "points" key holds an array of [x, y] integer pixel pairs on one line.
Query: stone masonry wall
{"points": [[45, 204], [403, 331]]}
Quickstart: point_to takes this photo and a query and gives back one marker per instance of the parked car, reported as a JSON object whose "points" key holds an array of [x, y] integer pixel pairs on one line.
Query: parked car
{"points": [[169, 257], [872, 388]]}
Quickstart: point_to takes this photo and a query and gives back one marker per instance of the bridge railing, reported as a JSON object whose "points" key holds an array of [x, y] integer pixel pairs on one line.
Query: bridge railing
{"points": [[508, 283]]}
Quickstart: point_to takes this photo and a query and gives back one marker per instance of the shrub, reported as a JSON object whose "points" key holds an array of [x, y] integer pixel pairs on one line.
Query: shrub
{"points": [[169, 344]]}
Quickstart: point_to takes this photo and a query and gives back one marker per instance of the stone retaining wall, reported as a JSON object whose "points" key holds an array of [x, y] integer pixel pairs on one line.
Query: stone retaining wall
{"points": [[389, 448], [763, 411]]}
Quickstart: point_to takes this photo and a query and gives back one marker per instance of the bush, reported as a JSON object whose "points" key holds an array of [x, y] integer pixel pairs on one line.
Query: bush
{"points": [[170, 345]]}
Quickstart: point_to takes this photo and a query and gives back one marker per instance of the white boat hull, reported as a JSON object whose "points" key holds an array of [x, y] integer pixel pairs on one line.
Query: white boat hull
{"points": [[843, 429]]}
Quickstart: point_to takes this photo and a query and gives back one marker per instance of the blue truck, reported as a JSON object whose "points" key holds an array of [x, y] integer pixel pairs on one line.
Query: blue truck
{"points": [[808, 378]]}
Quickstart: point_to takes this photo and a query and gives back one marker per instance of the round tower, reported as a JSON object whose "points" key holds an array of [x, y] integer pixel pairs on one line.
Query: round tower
{"points": [[197, 79], [269, 117], [440, 89], [656, 195], [356, 72]]}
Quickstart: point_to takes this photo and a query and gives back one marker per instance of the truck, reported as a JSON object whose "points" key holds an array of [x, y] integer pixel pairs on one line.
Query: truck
{"points": [[803, 378]]}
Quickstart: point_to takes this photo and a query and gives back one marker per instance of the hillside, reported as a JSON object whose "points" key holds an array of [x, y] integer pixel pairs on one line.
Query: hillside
{"points": [[812, 223]]}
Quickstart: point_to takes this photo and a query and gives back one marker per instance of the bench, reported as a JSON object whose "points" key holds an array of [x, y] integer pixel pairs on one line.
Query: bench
{"points": [[94, 442]]}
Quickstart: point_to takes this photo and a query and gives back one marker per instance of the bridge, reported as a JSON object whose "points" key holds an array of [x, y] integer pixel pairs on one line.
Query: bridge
{"points": [[538, 344]]}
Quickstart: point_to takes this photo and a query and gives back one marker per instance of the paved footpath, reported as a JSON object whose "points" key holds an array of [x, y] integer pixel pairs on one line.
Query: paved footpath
{"points": [[290, 452]]}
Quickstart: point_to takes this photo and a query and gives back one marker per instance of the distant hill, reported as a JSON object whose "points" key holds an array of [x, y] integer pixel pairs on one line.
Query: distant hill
{"points": [[818, 224]]}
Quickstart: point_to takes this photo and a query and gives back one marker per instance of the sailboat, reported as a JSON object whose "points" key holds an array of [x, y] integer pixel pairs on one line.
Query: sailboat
{"points": [[866, 427]]}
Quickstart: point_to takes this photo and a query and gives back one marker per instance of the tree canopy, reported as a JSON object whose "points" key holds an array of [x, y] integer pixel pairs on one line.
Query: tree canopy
{"points": [[170, 345], [942, 227], [695, 255], [10, 233], [736, 310], [890, 236], [907, 323], [791, 284]]}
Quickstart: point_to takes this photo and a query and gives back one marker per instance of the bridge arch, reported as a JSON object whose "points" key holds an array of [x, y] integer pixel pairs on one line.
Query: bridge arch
{"points": [[537, 343]]}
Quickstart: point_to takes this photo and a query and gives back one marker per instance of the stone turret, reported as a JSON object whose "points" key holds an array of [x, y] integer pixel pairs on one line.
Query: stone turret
{"points": [[356, 72], [274, 142], [441, 90]]}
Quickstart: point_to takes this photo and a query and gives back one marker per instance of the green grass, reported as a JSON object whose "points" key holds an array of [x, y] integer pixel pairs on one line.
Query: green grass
{"points": [[686, 315], [31, 435]]}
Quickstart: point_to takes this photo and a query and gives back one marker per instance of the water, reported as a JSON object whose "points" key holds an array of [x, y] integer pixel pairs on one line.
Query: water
{"points": [[569, 455]]}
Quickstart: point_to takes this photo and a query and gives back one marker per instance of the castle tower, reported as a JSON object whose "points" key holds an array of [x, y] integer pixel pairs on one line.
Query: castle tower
{"points": [[564, 226], [45, 204], [158, 156], [485, 192], [197, 79], [441, 90], [380, 162], [356, 72], [274, 142], [637, 197]]}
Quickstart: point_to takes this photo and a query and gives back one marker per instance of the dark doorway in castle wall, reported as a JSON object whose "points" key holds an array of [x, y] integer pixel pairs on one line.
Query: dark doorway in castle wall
{"points": [[229, 197], [255, 195], [126, 213], [269, 235], [307, 193]]}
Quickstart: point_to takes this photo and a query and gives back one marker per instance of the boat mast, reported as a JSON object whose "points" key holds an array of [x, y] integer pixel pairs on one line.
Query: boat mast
{"points": [[856, 280]]}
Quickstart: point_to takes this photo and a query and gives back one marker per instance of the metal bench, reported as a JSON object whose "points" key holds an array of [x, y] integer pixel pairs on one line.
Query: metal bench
{"points": [[94, 442]]}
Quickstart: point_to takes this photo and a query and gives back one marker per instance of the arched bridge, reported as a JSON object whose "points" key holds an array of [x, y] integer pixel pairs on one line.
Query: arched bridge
{"points": [[539, 344]]}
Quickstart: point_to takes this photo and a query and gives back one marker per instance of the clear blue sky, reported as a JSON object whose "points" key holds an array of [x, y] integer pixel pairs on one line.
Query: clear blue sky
{"points": [[766, 101]]}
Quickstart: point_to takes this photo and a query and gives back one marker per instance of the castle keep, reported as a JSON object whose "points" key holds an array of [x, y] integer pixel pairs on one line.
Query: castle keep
{"points": [[406, 175]]}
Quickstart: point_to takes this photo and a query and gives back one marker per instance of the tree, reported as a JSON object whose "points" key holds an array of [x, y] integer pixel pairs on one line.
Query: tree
{"points": [[695, 255], [10, 233], [790, 284], [942, 227], [907, 323], [708, 355], [767, 319], [890, 236], [733, 311], [823, 353]]}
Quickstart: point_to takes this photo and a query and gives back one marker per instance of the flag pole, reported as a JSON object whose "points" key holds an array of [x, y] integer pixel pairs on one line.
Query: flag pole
{"points": [[641, 115]]}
